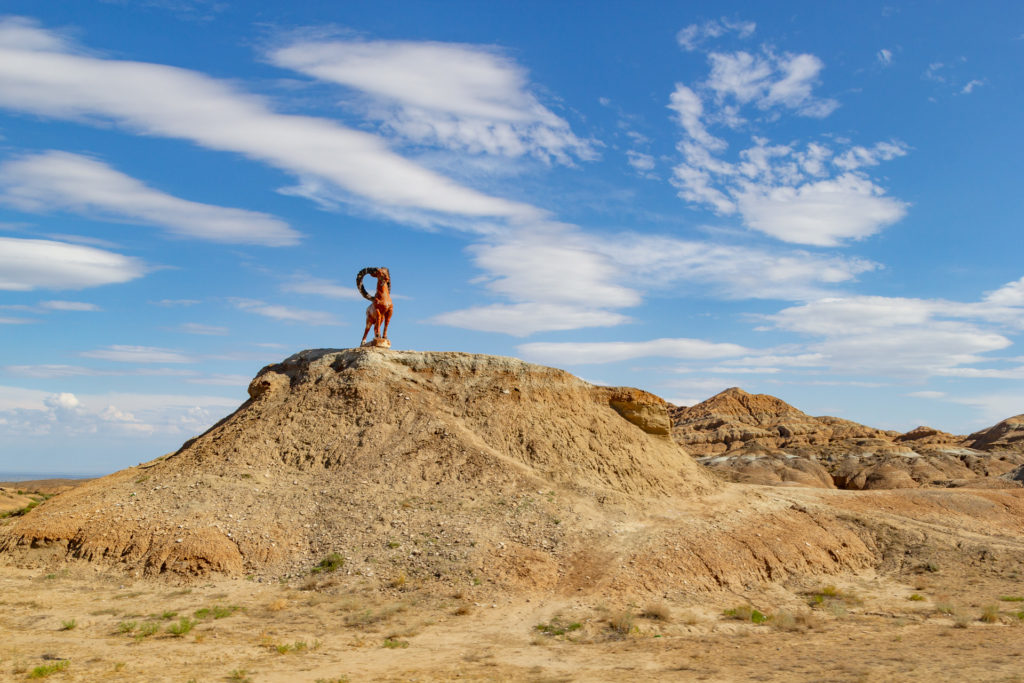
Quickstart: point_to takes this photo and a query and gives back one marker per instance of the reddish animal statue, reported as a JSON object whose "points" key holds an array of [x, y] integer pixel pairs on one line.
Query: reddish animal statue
{"points": [[379, 311]]}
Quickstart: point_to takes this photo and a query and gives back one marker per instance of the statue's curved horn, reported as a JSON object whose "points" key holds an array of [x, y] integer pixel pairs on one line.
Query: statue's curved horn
{"points": [[359, 281]]}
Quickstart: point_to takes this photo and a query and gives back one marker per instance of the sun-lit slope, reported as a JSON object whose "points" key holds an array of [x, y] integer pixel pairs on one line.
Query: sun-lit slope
{"points": [[353, 448]]}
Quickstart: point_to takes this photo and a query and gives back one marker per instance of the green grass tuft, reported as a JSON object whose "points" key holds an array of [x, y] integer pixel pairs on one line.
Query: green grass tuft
{"points": [[183, 626], [48, 669], [331, 563], [746, 613]]}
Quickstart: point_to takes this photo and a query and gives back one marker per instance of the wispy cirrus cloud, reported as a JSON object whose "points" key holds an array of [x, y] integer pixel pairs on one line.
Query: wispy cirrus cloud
{"points": [[55, 180], [693, 36], [468, 98], [43, 73], [563, 277], [122, 353], [58, 305], [910, 337], [578, 353], [769, 80], [524, 319], [286, 313], [203, 329], [304, 284], [29, 264]]}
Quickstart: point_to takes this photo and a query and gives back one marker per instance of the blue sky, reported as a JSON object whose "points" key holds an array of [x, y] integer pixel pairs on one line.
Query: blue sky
{"points": [[820, 201]]}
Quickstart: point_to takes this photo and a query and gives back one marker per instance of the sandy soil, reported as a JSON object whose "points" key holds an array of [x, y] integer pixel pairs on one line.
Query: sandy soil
{"points": [[930, 623]]}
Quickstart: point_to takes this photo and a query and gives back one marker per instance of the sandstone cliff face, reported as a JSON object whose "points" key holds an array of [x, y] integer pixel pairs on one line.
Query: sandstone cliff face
{"points": [[761, 439]]}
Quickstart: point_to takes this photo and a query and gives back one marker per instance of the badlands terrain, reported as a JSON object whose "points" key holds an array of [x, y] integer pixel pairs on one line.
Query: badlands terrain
{"points": [[390, 515]]}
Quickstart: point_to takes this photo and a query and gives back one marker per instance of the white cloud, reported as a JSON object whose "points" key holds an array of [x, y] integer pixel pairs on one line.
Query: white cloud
{"points": [[1016, 373], [41, 74], [51, 371], [28, 264], [688, 107], [63, 401], [286, 313], [728, 271], [934, 72], [32, 413], [559, 265], [823, 213], [579, 353], [741, 370], [321, 287], [177, 302], [691, 37], [114, 414], [837, 316], [520, 320], [461, 79], [858, 156], [811, 194], [222, 380], [15, 321], [560, 277], [769, 80], [464, 97], [971, 85], [1010, 294], [697, 186], [906, 351], [900, 336], [640, 161], [138, 354], [72, 182], [993, 408], [200, 328], [884, 57], [69, 306], [927, 394]]}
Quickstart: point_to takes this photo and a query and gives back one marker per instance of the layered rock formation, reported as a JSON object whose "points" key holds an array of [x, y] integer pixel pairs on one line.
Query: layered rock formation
{"points": [[757, 438]]}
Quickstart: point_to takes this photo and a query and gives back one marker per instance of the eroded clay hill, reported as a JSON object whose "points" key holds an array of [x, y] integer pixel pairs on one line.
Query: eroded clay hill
{"points": [[758, 438], [451, 469], [433, 453]]}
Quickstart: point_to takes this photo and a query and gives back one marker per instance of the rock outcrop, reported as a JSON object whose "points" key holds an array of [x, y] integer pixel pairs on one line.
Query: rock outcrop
{"points": [[734, 420], [1007, 435], [756, 438]]}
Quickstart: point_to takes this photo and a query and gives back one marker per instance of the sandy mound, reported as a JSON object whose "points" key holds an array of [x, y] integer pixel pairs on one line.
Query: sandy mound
{"points": [[434, 453]]}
